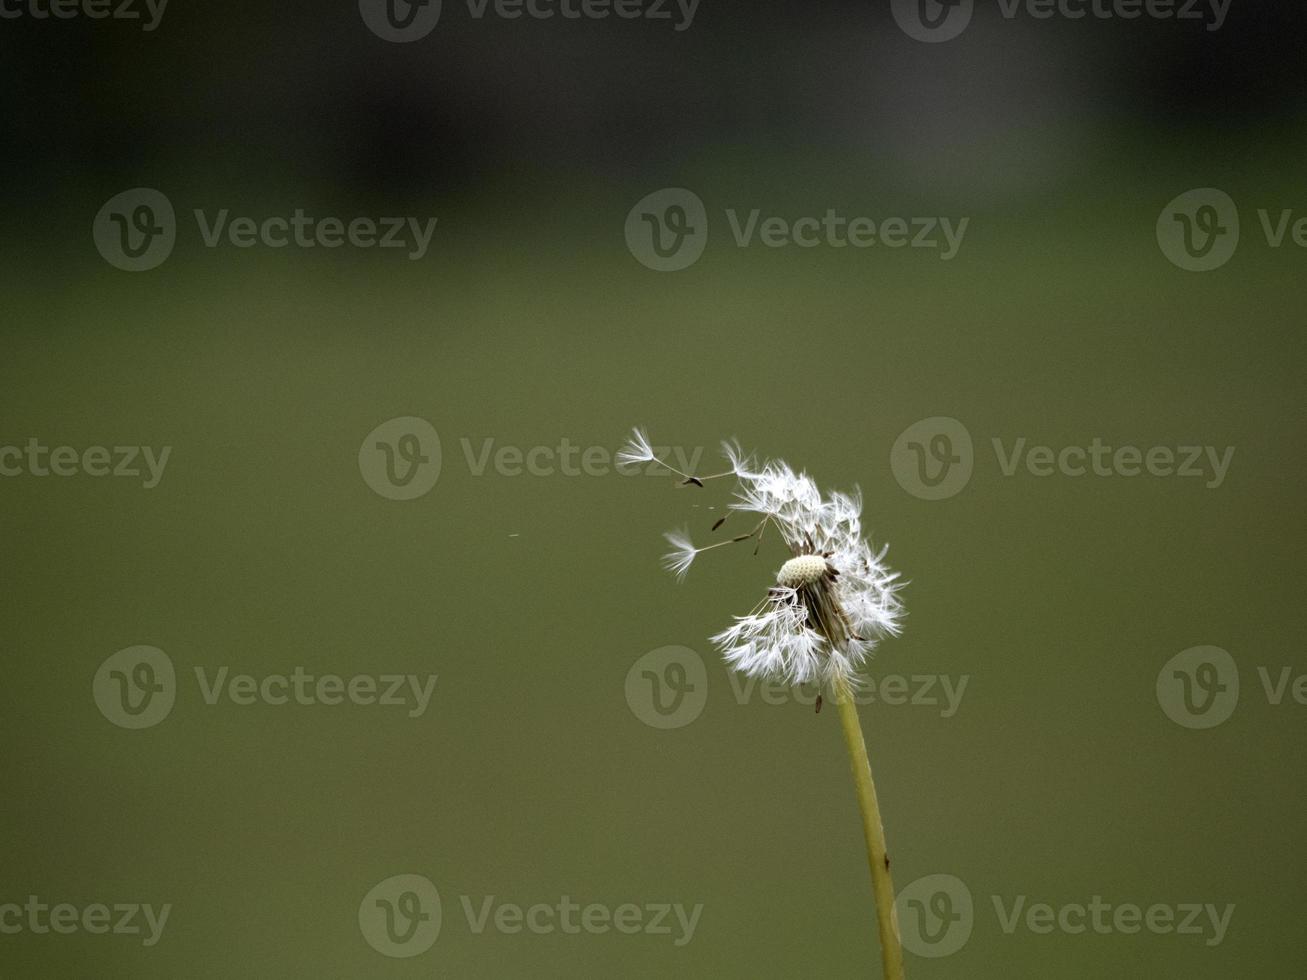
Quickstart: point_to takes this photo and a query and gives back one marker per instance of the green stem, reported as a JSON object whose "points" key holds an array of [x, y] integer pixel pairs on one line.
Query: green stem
{"points": [[891, 947]]}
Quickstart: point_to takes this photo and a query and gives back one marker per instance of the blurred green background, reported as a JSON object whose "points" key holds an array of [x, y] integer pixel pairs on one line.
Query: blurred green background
{"points": [[531, 776]]}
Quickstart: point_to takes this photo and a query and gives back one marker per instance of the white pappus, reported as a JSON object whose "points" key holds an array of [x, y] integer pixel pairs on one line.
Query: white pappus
{"points": [[833, 600]]}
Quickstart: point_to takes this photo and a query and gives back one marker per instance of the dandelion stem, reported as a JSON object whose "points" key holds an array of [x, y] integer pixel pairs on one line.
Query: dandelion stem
{"points": [[891, 947]]}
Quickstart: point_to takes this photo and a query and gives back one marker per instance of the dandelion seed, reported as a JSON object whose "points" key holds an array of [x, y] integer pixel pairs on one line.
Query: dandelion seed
{"points": [[637, 450], [678, 560]]}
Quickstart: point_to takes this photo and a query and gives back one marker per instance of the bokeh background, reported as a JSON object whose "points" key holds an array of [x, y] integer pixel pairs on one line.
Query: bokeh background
{"points": [[532, 775]]}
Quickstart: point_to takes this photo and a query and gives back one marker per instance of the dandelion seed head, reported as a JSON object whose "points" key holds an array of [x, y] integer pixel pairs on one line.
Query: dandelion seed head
{"points": [[800, 571], [835, 597]]}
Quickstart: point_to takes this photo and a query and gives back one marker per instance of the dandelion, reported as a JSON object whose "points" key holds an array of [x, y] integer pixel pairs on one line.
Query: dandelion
{"points": [[834, 599]]}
